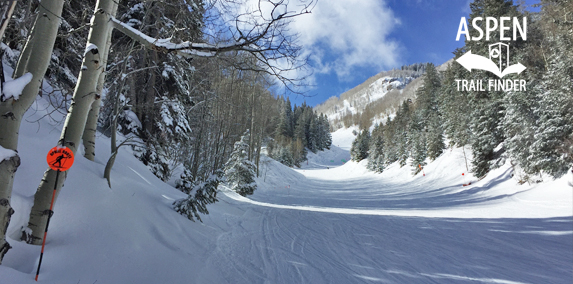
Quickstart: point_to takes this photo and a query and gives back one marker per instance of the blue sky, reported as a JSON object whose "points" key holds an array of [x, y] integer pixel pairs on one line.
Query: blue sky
{"points": [[349, 41]]}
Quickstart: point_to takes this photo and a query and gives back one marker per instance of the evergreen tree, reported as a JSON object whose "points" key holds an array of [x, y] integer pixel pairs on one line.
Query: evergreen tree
{"points": [[286, 120], [553, 146], [200, 195], [520, 124], [454, 106], [428, 107], [488, 107], [239, 171], [417, 139], [326, 137], [435, 144], [313, 135], [310, 132], [299, 131], [401, 134], [359, 150], [376, 158], [390, 153]]}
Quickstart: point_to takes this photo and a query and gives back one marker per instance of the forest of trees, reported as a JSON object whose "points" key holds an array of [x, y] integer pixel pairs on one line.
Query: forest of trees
{"points": [[178, 81], [298, 130], [532, 129]]}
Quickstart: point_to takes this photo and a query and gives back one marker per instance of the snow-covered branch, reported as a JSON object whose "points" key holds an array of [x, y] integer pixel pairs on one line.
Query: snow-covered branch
{"points": [[6, 154], [166, 45], [266, 39], [13, 88], [262, 32]]}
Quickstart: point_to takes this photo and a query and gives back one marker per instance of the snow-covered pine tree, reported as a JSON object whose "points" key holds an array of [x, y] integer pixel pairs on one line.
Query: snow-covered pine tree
{"points": [[376, 153], [300, 142], [359, 149], [324, 133], [430, 117], [417, 139], [200, 195], [553, 142], [519, 125], [401, 133], [390, 151], [309, 131], [487, 136], [299, 131], [553, 146], [285, 125], [454, 106], [435, 144], [521, 118], [284, 156], [239, 171], [314, 141], [488, 107]]}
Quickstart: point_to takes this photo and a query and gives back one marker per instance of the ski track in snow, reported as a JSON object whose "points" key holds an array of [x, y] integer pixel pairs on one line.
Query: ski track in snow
{"points": [[343, 225]]}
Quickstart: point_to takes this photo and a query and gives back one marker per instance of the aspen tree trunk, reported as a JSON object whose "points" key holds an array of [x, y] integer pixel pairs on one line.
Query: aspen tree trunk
{"points": [[113, 138], [6, 10], [252, 130], [85, 94], [88, 137], [34, 59], [7, 170]]}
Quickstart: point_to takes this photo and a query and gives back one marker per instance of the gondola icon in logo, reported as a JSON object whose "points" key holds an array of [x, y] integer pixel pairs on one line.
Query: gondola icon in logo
{"points": [[499, 54]]}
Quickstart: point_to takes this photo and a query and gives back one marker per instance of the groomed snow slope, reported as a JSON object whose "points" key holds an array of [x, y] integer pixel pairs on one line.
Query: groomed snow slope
{"points": [[327, 222]]}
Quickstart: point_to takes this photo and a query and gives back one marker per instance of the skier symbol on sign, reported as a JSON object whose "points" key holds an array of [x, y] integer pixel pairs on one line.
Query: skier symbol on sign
{"points": [[59, 161]]}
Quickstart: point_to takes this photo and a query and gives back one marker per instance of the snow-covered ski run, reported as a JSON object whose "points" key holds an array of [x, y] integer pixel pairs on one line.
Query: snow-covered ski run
{"points": [[327, 222]]}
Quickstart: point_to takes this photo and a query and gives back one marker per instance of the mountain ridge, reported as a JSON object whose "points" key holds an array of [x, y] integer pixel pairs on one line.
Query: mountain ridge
{"points": [[376, 98]]}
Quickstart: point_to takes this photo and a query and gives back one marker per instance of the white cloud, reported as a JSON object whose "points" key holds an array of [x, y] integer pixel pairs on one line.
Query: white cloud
{"points": [[338, 36], [341, 35]]}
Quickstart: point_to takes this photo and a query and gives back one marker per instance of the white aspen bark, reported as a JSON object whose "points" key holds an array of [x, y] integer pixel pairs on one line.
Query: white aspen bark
{"points": [[84, 95], [252, 130], [7, 10], [88, 137], [7, 170], [34, 59]]}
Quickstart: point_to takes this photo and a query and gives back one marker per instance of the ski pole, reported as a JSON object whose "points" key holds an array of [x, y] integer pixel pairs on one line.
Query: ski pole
{"points": [[50, 213]]}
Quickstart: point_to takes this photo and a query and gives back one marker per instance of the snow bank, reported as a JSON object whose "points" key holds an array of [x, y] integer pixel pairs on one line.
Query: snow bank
{"points": [[437, 194], [343, 137]]}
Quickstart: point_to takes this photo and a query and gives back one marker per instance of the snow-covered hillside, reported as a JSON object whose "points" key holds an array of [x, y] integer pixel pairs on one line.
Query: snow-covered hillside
{"points": [[336, 109], [373, 92], [380, 94], [331, 221]]}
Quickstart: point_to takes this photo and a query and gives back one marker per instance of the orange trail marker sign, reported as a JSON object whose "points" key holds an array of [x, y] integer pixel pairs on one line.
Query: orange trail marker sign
{"points": [[60, 159]]}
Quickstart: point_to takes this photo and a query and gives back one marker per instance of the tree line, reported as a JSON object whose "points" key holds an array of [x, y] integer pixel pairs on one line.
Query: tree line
{"points": [[531, 129], [297, 131]]}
